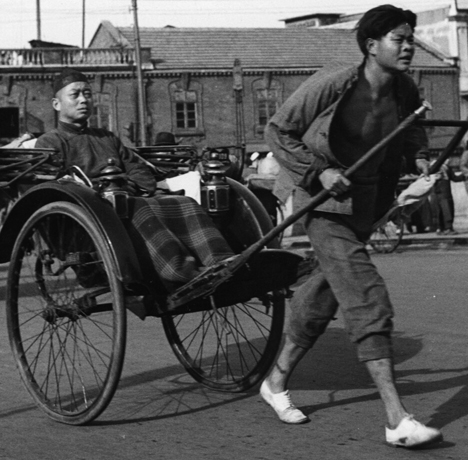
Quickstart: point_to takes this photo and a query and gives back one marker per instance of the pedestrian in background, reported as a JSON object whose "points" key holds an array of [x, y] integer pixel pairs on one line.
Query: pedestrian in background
{"points": [[464, 165], [442, 199]]}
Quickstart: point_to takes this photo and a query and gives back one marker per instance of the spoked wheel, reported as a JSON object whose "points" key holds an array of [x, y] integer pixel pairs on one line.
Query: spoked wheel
{"points": [[387, 237], [229, 348], [66, 313]]}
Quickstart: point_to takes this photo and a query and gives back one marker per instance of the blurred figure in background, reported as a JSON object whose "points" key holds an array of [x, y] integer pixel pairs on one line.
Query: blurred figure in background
{"points": [[442, 199]]}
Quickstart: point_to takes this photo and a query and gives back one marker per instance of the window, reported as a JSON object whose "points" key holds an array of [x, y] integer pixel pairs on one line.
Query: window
{"points": [[267, 104], [186, 109], [267, 101], [9, 122], [267, 93], [101, 117]]}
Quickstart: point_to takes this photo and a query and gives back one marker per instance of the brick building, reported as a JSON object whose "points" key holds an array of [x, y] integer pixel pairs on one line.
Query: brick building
{"points": [[207, 86]]}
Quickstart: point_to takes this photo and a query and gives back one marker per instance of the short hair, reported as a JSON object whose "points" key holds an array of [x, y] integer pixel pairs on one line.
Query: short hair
{"points": [[379, 21]]}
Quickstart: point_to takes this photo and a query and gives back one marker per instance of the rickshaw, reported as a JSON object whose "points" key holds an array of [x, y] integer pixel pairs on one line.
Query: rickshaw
{"points": [[74, 272]]}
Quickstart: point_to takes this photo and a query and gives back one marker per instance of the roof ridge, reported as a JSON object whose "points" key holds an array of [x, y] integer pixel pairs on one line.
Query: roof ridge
{"points": [[276, 48]]}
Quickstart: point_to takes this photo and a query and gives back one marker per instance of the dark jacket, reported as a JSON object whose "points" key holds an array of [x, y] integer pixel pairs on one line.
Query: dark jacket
{"points": [[299, 136], [91, 148]]}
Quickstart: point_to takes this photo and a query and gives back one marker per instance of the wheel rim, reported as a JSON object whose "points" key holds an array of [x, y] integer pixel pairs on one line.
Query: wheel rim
{"points": [[387, 237], [64, 314], [230, 348]]}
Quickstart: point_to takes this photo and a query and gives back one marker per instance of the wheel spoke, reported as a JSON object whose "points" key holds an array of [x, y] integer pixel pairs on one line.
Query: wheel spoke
{"points": [[227, 349], [69, 348]]}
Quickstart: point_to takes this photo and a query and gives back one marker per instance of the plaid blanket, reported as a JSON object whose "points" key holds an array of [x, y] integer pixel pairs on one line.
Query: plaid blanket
{"points": [[179, 236]]}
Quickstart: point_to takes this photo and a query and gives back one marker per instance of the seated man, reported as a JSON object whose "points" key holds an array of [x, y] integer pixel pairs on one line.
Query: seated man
{"points": [[178, 235]]}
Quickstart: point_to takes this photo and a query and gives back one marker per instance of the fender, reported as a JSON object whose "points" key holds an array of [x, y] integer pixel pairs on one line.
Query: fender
{"points": [[257, 208], [100, 210]]}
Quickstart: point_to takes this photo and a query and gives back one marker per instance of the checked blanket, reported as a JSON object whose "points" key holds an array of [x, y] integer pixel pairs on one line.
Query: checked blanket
{"points": [[179, 236]]}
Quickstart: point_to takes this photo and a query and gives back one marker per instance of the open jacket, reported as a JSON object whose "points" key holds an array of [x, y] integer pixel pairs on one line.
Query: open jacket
{"points": [[299, 136]]}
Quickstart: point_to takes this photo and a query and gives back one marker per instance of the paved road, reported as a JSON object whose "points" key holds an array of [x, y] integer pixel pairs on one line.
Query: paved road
{"points": [[160, 413]]}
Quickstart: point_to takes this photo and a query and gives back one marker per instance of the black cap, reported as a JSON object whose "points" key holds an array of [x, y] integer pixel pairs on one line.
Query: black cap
{"points": [[165, 138], [66, 77]]}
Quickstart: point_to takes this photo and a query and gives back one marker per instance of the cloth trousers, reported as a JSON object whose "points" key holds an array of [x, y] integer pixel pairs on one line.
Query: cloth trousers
{"points": [[444, 212], [345, 277]]}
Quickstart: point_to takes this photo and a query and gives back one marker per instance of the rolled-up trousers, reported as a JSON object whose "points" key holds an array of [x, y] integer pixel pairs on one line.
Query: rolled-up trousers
{"points": [[345, 278]]}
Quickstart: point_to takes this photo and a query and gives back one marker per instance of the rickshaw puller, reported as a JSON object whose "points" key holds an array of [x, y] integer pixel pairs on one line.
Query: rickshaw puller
{"points": [[330, 122]]}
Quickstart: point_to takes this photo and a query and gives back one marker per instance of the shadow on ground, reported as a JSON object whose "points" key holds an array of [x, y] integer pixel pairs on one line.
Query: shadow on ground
{"points": [[332, 367]]}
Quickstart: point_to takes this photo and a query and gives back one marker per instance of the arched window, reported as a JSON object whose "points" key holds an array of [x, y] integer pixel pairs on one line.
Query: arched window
{"points": [[267, 105], [101, 117], [105, 105], [267, 99], [186, 107]]}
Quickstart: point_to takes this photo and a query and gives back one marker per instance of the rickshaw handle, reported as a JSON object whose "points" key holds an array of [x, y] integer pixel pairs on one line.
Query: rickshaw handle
{"points": [[206, 283], [324, 194], [456, 139]]}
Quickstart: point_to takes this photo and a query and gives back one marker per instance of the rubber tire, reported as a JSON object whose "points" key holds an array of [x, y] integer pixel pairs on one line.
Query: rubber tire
{"points": [[87, 351], [232, 348], [388, 237]]}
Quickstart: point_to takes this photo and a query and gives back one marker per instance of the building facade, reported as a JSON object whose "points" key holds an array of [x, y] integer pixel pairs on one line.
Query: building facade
{"points": [[209, 87]]}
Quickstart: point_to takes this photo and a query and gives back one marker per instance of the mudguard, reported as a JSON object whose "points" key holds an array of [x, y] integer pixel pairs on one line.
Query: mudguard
{"points": [[258, 220], [100, 210]]}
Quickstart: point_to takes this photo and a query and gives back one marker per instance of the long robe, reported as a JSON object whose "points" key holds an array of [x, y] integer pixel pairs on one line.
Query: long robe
{"points": [[179, 237]]}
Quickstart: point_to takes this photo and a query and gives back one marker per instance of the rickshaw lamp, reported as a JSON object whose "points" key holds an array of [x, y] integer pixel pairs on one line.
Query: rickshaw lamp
{"points": [[214, 189]]}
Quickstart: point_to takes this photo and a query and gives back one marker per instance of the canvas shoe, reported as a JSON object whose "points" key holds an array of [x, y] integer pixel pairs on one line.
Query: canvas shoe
{"points": [[283, 406], [410, 434]]}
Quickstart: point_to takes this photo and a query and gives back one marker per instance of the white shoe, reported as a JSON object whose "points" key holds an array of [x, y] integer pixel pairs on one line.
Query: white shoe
{"points": [[283, 406], [411, 433]]}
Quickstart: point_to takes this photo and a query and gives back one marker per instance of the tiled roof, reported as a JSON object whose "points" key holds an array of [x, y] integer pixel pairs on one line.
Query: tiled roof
{"points": [[288, 48]]}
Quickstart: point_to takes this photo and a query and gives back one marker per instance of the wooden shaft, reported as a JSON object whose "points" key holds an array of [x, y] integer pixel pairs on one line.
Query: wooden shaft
{"points": [[324, 194]]}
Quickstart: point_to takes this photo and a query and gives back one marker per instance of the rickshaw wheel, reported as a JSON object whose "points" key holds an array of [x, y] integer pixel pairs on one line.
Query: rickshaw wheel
{"points": [[65, 313], [230, 348], [387, 237]]}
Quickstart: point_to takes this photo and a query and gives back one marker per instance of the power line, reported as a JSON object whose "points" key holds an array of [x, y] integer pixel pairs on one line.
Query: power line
{"points": [[68, 14], [195, 7]]}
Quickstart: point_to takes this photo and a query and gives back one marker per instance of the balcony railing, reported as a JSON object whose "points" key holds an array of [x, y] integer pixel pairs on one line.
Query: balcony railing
{"points": [[43, 57]]}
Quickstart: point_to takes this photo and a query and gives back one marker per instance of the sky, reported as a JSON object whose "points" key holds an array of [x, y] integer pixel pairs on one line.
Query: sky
{"points": [[61, 21]]}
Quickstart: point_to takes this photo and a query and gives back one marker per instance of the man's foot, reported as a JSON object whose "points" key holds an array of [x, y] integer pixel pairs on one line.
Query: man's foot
{"points": [[411, 434], [283, 406]]}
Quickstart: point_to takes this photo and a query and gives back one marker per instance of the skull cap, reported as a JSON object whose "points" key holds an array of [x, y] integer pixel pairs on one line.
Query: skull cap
{"points": [[66, 77]]}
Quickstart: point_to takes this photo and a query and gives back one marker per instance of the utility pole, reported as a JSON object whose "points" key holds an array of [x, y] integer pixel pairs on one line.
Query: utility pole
{"points": [[83, 23], [141, 87], [238, 87], [38, 18]]}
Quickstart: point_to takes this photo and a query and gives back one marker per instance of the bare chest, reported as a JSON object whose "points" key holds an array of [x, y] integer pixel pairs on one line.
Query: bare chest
{"points": [[365, 122]]}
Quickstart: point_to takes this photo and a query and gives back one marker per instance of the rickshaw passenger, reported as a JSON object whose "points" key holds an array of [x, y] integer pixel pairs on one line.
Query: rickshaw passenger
{"points": [[179, 236]]}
